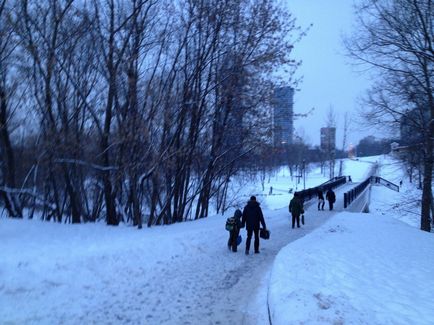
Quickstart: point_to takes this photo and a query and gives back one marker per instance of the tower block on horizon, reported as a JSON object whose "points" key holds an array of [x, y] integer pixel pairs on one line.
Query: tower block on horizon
{"points": [[283, 116]]}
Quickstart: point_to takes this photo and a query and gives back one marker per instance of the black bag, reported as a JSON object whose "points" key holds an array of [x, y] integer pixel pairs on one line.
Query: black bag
{"points": [[264, 233], [302, 219], [231, 223]]}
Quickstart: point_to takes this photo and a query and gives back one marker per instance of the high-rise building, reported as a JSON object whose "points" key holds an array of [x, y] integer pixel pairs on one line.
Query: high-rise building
{"points": [[283, 116], [328, 139]]}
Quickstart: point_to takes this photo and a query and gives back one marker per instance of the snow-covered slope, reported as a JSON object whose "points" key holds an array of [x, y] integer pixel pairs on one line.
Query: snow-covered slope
{"points": [[360, 268], [355, 269], [183, 274], [179, 274]]}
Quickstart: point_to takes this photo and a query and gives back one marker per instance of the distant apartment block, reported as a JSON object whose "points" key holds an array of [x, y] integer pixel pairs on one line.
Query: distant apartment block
{"points": [[283, 116], [328, 139]]}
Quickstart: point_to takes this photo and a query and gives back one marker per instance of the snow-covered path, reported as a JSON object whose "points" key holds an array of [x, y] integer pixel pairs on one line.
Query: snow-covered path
{"points": [[181, 274]]}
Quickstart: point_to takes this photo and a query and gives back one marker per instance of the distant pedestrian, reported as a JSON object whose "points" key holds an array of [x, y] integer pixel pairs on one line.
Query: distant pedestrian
{"points": [[233, 234], [252, 219], [349, 179], [296, 209], [321, 201], [400, 183], [331, 197], [271, 190]]}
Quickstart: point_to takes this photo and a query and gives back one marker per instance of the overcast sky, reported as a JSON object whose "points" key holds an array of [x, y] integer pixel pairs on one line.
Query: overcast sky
{"points": [[328, 79]]}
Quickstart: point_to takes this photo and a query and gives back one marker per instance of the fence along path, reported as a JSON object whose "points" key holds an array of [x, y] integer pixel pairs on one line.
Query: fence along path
{"points": [[355, 192]]}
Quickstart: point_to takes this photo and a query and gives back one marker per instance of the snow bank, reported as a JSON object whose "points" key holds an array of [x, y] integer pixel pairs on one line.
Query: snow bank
{"points": [[405, 205], [283, 186], [355, 269], [93, 274], [360, 168]]}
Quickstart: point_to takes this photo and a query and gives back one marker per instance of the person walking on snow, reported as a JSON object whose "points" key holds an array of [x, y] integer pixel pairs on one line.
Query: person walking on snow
{"points": [[233, 234], [331, 197], [321, 201], [296, 209], [252, 218]]}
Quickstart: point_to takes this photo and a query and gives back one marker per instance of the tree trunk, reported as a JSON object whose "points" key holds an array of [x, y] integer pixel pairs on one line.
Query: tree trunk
{"points": [[425, 222], [11, 201], [428, 158], [135, 202], [75, 208]]}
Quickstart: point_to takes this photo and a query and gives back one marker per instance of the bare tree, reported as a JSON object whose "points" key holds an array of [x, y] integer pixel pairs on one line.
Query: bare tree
{"points": [[346, 127], [142, 110], [8, 84], [44, 38], [396, 38]]}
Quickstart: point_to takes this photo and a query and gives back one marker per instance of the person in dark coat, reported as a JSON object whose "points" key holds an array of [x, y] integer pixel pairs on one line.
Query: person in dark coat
{"points": [[296, 209], [252, 218], [331, 197], [321, 201], [233, 234]]}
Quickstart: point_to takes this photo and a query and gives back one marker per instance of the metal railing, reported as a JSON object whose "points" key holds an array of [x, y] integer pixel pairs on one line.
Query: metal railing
{"points": [[382, 181], [310, 193], [352, 194]]}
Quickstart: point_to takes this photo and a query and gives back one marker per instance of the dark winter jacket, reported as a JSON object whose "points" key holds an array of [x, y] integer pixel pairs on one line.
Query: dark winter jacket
{"points": [[296, 206], [330, 196], [252, 216], [320, 195]]}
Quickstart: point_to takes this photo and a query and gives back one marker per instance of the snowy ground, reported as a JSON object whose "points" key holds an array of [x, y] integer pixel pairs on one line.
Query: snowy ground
{"points": [[360, 268], [405, 205], [180, 274], [184, 274], [355, 269], [282, 183]]}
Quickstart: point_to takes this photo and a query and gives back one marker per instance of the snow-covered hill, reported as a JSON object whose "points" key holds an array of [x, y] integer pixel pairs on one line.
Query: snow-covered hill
{"points": [[360, 268], [183, 274], [355, 269]]}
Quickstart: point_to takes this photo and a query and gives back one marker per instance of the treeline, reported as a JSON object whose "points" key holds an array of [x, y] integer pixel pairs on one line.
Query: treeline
{"points": [[371, 146], [133, 111]]}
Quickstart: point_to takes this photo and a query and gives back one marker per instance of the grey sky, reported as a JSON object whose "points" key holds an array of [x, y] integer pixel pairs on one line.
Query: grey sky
{"points": [[328, 79]]}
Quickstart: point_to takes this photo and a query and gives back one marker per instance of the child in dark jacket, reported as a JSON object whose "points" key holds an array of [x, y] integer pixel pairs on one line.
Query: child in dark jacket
{"points": [[233, 234]]}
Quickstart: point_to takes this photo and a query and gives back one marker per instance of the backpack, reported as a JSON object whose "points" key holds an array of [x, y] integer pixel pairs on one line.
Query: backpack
{"points": [[231, 223]]}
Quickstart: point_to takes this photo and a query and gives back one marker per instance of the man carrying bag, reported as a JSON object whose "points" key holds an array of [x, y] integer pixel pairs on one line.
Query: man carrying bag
{"points": [[252, 218]]}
